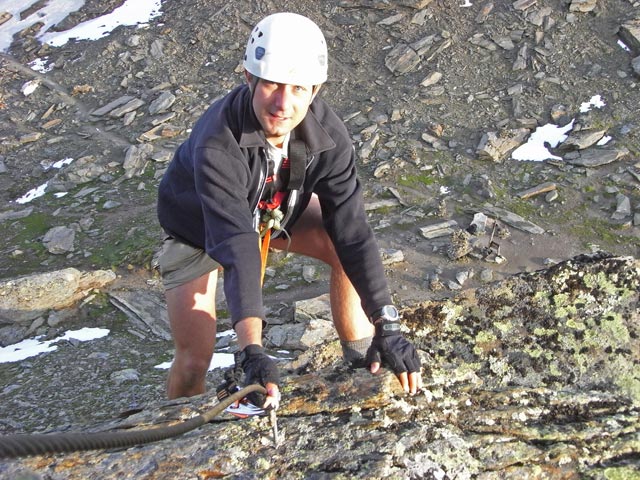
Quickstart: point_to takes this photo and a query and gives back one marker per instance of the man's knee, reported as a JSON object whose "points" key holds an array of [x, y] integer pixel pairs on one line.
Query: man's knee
{"points": [[191, 367]]}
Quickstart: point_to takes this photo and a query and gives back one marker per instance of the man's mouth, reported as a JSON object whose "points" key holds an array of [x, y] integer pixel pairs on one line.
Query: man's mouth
{"points": [[278, 118]]}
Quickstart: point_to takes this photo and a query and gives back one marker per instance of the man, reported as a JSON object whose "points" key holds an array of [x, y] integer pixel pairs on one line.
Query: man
{"points": [[271, 165]]}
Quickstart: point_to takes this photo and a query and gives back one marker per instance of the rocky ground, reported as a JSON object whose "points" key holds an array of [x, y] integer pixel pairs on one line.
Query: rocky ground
{"points": [[436, 96]]}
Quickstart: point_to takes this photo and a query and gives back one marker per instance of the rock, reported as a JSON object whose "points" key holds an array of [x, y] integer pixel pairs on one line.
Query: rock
{"points": [[382, 169], [523, 4], [5, 17], [480, 40], [123, 376], [485, 11], [513, 219], [378, 204], [629, 32], [623, 207], [582, 6], [391, 256], [391, 20], [635, 64], [401, 59], [83, 170], [313, 326], [112, 105], [595, 157], [136, 159], [521, 59], [26, 298], [537, 190], [435, 142], [162, 103], [130, 106], [580, 140], [431, 79], [29, 87], [439, 229], [460, 245], [15, 214], [157, 49], [538, 16], [29, 138], [110, 205], [514, 362], [163, 131], [416, 4], [59, 240], [560, 115], [478, 225], [145, 310], [368, 146], [496, 146]]}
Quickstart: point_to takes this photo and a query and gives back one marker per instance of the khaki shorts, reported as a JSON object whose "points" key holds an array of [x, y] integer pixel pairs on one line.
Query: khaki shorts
{"points": [[180, 263]]}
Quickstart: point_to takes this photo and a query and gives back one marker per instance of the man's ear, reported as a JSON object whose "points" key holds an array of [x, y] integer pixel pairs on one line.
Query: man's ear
{"points": [[248, 77]]}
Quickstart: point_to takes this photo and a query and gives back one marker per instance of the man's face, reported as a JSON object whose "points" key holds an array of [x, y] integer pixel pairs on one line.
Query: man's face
{"points": [[280, 107]]}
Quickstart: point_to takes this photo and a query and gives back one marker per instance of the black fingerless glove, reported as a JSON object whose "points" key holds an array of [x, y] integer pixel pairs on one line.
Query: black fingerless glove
{"points": [[389, 346], [258, 367]]}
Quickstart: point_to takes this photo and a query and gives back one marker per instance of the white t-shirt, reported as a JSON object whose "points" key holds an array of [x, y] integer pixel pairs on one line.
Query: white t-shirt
{"points": [[276, 154]]}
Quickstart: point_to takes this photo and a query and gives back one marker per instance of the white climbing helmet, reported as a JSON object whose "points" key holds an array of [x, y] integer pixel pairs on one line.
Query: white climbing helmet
{"points": [[287, 48]]}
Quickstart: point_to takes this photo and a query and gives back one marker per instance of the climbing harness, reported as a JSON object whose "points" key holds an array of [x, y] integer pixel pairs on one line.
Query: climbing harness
{"points": [[22, 445], [272, 219]]}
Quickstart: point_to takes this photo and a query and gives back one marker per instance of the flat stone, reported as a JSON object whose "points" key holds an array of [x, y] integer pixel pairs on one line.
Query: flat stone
{"points": [[439, 229], [29, 296], [126, 108], [524, 4], [580, 140], [402, 59], [513, 219], [635, 64], [537, 190], [582, 6], [596, 157], [496, 146], [112, 105], [162, 103], [629, 32]]}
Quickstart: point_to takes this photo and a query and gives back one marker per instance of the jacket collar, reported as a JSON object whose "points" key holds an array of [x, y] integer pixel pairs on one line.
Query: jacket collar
{"points": [[310, 129]]}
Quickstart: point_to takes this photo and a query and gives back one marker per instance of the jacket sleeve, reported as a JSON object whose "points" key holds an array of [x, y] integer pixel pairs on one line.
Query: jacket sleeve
{"points": [[344, 216], [222, 182]]}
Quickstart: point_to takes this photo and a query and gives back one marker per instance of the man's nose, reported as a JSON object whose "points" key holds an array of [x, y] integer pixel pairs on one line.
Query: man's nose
{"points": [[284, 97]]}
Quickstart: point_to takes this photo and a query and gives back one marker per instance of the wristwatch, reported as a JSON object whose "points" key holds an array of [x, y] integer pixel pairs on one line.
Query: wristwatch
{"points": [[242, 355], [386, 320]]}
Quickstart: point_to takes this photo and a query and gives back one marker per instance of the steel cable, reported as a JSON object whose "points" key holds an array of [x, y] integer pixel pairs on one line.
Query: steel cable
{"points": [[22, 445]]}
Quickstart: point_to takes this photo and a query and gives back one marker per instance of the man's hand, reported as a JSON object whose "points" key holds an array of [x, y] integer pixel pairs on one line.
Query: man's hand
{"points": [[258, 367], [390, 347]]}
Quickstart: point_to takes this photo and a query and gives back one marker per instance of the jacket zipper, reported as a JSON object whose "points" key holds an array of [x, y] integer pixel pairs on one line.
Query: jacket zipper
{"points": [[262, 184]]}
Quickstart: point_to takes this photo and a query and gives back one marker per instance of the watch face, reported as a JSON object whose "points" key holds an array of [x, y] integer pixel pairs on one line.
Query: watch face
{"points": [[389, 312]]}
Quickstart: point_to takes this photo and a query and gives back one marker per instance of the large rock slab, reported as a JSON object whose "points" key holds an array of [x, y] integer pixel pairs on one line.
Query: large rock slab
{"points": [[535, 376], [26, 298]]}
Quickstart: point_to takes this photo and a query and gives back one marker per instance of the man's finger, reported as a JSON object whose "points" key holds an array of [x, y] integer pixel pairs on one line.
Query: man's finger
{"points": [[415, 382], [375, 366], [404, 380], [273, 397]]}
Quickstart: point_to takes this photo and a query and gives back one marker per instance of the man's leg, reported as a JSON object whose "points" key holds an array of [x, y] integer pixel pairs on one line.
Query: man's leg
{"points": [[311, 239], [192, 316]]}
